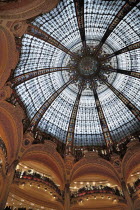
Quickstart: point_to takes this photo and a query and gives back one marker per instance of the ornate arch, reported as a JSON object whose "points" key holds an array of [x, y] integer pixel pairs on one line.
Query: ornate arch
{"points": [[93, 164], [11, 129], [8, 55], [48, 156], [131, 159]]}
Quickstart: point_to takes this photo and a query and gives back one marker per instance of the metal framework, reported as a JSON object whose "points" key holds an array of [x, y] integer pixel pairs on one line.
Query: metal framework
{"points": [[129, 73], [121, 14], [56, 40], [123, 50], [104, 126], [71, 127], [45, 106], [128, 104], [30, 75], [40, 34], [79, 7]]}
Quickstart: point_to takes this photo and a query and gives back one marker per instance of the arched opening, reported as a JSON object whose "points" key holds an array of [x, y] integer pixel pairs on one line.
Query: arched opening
{"points": [[11, 129], [38, 176]]}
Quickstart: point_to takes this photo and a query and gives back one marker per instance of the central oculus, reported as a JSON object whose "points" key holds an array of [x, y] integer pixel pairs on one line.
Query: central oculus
{"points": [[87, 66]]}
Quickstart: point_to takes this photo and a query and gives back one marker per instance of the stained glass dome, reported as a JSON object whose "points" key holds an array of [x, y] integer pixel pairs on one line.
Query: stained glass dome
{"points": [[79, 69]]}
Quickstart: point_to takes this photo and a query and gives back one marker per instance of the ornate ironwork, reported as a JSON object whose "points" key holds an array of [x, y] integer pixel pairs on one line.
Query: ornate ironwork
{"points": [[129, 73], [71, 127], [104, 126], [79, 7], [123, 50], [121, 14], [30, 75], [128, 104], [37, 32], [45, 106]]}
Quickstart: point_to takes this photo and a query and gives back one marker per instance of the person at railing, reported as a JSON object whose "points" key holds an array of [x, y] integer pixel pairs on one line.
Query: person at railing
{"points": [[135, 187], [8, 208], [37, 177], [137, 184], [131, 189], [96, 189]]}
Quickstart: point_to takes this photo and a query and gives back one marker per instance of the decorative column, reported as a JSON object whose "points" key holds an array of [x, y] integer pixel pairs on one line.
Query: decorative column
{"points": [[127, 196], [69, 162], [7, 181], [67, 197]]}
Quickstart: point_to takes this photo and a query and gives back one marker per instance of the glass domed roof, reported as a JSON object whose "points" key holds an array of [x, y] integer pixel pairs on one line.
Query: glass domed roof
{"points": [[79, 69]]}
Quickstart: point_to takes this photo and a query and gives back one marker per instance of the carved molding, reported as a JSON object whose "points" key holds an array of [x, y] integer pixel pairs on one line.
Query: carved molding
{"points": [[69, 162], [49, 150], [92, 160], [18, 28], [9, 54], [131, 159], [25, 195], [24, 11], [11, 128], [5, 93]]}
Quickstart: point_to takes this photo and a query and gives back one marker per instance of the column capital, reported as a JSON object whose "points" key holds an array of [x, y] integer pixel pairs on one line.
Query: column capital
{"points": [[132, 143], [69, 162], [127, 196], [5, 93]]}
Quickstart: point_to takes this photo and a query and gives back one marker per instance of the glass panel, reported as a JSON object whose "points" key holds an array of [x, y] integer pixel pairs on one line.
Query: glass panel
{"points": [[61, 24]]}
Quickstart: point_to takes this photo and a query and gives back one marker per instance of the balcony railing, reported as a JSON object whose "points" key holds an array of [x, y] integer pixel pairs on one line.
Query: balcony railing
{"points": [[39, 180], [135, 189], [98, 192], [96, 189]]}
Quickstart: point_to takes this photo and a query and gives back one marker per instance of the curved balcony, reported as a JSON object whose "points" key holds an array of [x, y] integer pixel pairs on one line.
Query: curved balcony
{"points": [[40, 182], [96, 189], [100, 192], [135, 190]]}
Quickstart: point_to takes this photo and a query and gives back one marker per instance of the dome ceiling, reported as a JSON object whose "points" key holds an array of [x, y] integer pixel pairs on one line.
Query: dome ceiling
{"points": [[78, 75]]}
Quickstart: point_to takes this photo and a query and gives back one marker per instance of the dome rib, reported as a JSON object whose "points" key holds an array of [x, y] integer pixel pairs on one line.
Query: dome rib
{"points": [[79, 8], [45, 106], [51, 70], [119, 16], [128, 104]]}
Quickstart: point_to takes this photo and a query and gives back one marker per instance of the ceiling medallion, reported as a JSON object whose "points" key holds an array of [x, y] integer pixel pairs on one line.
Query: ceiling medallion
{"points": [[88, 68]]}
